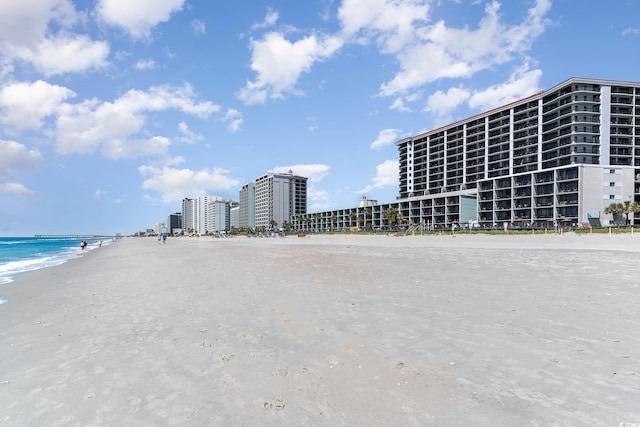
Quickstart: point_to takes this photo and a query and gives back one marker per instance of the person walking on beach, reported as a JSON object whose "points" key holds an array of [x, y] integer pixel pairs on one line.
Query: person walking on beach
{"points": [[159, 237], [164, 238], [83, 245]]}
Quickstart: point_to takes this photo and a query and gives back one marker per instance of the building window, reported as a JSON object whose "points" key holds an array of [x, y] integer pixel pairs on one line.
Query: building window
{"points": [[612, 184], [612, 196]]}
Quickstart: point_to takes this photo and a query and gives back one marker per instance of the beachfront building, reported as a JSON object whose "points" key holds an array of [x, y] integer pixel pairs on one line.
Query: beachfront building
{"points": [[558, 157], [277, 199], [174, 223], [187, 215], [159, 228], [234, 216], [195, 214], [247, 204], [219, 214]]}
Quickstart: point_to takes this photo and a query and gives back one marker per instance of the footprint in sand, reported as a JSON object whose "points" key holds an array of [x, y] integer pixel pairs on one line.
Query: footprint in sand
{"points": [[282, 372], [275, 405], [226, 357]]}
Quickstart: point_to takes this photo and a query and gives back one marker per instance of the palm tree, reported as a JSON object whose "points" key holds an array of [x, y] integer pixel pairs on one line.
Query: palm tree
{"points": [[352, 217], [400, 219], [366, 212], [317, 217], [391, 215], [629, 207], [615, 209], [287, 225], [334, 222]]}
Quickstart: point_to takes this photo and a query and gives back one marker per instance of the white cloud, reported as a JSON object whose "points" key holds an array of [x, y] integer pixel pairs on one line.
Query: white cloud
{"points": [[137, 17], [521, 84], [387, 175], [16, 156], [318, 199], [16, 188], [234, 119], [66, 54], [135, 147], [84, 127], [280, 62], [98, 194], [440, 52], [315, 172], [23, 106], [442, 103], [198, 27], [631, 31], [25, 23], [189, 136], [174, 184], [398, 104], [385, 137], [390, 22], [165, 97], [316, 195], [269, 20], [38, 32], [145, 64]]}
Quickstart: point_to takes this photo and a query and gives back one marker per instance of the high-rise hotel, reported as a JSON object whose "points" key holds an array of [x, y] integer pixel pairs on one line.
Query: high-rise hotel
{"points": [[273, 197], [558, 157]]}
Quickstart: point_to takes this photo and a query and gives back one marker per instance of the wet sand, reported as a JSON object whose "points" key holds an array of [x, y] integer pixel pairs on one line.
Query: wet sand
{"points": [[328, 330]]}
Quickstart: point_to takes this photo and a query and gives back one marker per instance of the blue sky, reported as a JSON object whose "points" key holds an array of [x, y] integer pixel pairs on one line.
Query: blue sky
{"points": [[113, 111]]}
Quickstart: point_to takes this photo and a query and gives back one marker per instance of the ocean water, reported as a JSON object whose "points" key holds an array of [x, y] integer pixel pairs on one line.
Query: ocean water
{"points": [[20, 254]]}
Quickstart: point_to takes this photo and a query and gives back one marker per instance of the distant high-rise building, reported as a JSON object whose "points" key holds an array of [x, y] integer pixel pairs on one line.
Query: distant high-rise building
{"points": [[247, 211], [234, 216], [159, 228], [279, 197], [219, 214], [195, 214], [187, 215], [201, 213], [174, 222]]}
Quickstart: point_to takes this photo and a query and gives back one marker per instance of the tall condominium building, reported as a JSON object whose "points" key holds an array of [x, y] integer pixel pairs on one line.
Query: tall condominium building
{"points": [[159, 228], [234, 216], [195, 214], [279, 197], [247, 202], [558, 157], [220, 214], [187, 215], [174, 222]]}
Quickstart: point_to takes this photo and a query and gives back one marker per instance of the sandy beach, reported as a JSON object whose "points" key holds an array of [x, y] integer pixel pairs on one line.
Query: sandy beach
{"points": [[328, 330]]}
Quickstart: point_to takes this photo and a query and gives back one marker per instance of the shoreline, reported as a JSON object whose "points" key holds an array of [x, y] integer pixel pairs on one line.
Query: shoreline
{"points": [[327, 330], [39, 257]]}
